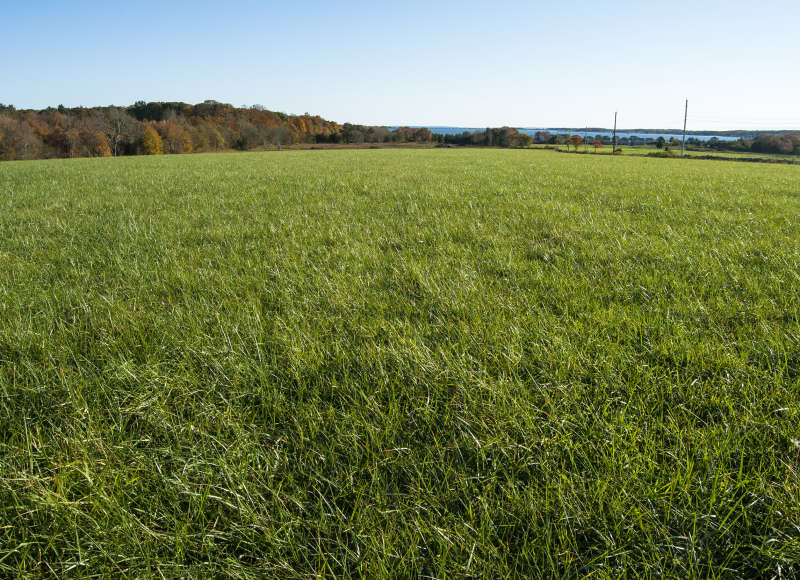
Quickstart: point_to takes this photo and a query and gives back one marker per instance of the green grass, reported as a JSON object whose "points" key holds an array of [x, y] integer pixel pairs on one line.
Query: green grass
{"points": [[439, 363], [709, 153], [676, 152]]}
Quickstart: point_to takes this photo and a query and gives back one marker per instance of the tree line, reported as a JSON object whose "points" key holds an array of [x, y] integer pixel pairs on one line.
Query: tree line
{"points": [[492, 137], [153, 128], [777, 143], [173, 127]]}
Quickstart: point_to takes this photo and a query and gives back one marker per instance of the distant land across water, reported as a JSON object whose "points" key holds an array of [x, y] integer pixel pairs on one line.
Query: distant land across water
{"points": [[593, 131]]}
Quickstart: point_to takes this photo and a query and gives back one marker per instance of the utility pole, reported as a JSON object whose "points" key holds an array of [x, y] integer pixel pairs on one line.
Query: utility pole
{"points": [[614, 138], [685, 115], [585, 145]]}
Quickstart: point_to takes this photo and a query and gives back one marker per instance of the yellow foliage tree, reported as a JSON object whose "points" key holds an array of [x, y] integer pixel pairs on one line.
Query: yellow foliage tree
{"points": [[188, 145], [151, 141], [96, 144], [219, 140]]}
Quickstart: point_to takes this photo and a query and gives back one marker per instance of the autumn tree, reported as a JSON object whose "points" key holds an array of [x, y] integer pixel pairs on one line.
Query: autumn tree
{"points": [[353, 133], [188, 144], [119, 130], [576, 141], [782, 144], [423, 135], [72, 142], [212, 138], [18, 140], [151, 142], [248, 135], [171, 135], [94, 144], [199, 139], [521, 140], [279, 136], [217, 139]]}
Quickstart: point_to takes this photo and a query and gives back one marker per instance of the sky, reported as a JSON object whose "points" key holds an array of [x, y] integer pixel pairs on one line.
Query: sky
{"points": [[434, 62]]}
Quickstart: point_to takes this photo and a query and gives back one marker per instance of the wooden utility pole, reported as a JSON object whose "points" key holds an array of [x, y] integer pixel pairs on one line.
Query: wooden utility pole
{"points": [[614, 138], [685, 115]]}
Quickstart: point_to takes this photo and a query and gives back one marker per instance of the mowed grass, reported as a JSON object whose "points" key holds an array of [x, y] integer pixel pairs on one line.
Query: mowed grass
{"points": [[440, 363]]}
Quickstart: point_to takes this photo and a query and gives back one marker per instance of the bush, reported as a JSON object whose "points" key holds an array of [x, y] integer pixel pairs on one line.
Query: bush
{"points": [[665, 153]]}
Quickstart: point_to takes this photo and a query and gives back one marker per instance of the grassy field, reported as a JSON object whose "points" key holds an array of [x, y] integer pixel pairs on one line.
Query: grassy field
{"points": [[731, 155], [441, 363], [676, 152]]}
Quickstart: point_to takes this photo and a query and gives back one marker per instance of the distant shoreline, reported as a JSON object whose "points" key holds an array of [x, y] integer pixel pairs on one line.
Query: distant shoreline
{"points": [[726, 133], [731, 133]]}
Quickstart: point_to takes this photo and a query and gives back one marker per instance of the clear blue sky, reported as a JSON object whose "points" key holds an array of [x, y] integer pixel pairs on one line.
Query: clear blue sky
{"points": [[443, 62]]}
